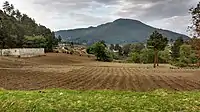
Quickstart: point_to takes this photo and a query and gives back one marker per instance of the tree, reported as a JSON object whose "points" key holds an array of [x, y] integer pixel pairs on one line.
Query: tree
{"points": [[18, 15], [14, 27], [175, 50], [100, 51], [59, 38], [112, 47], [147, 56], [103, 42], [6, 7], [137, 47], [135, 57], [186, 54], [195, 27], [12, 10], [118, 48], [158, 43], [165, 55], [126, 49]]}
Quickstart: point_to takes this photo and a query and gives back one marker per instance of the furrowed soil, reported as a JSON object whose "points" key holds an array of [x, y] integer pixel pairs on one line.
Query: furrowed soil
{"points": [[83, 73]]}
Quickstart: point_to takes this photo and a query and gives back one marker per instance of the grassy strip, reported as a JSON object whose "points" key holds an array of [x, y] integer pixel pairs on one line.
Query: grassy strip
{"points": [[98, 101]]}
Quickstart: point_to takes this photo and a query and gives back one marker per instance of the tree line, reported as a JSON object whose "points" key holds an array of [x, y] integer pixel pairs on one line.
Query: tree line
{"points": [[156, 50], [18, 30]]}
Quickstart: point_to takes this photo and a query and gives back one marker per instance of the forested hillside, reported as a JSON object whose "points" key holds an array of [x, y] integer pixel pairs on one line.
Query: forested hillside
{"points": [[120, 31], [18, 30]]}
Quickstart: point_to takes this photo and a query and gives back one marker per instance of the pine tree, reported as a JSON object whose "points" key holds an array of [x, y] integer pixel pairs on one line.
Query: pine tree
{"points": [[158, 43]]}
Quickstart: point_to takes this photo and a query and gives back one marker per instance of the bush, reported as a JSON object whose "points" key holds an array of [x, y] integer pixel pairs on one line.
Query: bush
{"points": [[135, 57], [180, 64], [147, 56], [100, 51]]}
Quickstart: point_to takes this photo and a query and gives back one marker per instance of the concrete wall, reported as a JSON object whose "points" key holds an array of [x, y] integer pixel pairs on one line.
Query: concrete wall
{"points": [[23, 52]]}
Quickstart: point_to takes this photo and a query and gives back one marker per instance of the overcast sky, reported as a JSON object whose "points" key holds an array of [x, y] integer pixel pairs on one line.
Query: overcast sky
{"points": [[68, 14]]}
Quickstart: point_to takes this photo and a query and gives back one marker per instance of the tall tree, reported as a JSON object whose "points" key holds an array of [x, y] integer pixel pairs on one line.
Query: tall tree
{"points": [[18, 15], [195, 27], [12, 10], [158, 43], [15, 27], [6, 7], [176, 48]]}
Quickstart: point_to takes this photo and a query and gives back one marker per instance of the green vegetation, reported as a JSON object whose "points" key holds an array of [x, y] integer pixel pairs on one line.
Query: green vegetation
{"points": [[195, 27], [176, 48], [100, 51], [98, 101], [158, 43], [18, 30]]}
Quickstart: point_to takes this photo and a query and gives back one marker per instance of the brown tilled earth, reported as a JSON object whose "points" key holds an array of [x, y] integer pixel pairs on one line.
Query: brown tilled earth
{"points": [[83, 73]]}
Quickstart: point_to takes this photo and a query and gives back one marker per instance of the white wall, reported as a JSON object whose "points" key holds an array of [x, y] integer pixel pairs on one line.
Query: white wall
{"points": [[23, 52]]}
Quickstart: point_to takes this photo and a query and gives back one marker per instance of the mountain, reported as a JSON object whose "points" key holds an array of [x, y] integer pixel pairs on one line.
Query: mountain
{"points": [[119, 31]]}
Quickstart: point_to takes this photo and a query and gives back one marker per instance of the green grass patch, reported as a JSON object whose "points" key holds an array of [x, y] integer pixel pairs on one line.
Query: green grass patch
{"points": [[98, 101]]}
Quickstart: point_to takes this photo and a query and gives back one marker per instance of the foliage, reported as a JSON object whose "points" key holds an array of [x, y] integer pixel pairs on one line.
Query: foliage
{"points": [[15, 26], [164, 56], [90, 50], [112, 47], [59, 38], [126, 49], [180, 64], [195, 12], [195, 43], [135, 57], [144, 56], [187, 55], [100, 51], [35, 42], [147, 56], [158, 43], [176, 48], [137, 47], [195, 27]]}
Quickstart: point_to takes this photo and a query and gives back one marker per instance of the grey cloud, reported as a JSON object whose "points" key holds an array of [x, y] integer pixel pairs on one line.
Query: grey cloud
{"points": [[77, 13], [159, 9]]}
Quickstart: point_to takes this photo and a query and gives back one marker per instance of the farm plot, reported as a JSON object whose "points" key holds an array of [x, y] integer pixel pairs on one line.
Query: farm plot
{"points": [[98, 78], [83, 73]]}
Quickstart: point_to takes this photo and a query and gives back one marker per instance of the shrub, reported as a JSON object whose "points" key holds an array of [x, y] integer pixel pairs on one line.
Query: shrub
{"points": [[180, 64], [135, 57], [100, 51]]}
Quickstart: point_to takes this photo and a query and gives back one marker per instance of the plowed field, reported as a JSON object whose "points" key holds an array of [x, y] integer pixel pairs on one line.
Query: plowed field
{"points": [[83, 73]]}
